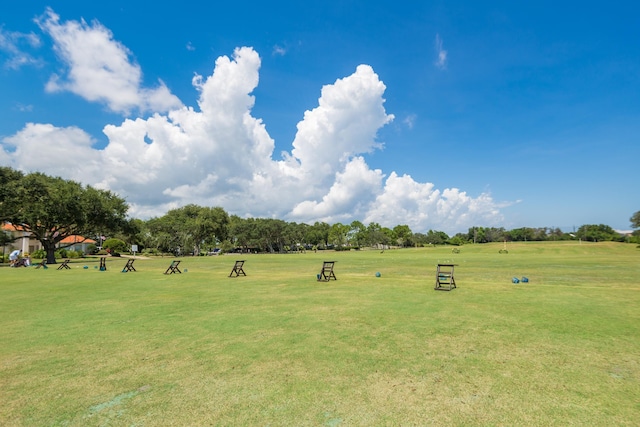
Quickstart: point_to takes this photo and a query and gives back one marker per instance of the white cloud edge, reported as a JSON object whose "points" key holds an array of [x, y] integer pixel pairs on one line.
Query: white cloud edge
{"points": [[441, 54]]}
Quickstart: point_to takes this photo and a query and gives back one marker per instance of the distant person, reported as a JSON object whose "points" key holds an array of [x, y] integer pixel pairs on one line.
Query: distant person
{"points": [[22, 262], [13, 257]]}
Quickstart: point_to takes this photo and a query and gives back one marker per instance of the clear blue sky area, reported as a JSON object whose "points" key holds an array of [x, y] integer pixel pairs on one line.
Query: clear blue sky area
{"points": [[505, 114]]}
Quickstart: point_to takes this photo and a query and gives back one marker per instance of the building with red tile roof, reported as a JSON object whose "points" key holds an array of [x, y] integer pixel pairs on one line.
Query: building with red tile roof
{"points": [[25, 241]]}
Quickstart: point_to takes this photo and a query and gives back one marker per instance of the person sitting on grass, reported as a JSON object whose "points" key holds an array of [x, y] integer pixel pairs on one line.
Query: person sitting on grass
{"points": [[23, 262]]}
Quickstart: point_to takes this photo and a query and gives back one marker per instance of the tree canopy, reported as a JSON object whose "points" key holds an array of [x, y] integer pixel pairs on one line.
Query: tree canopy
{"points": [[187, 229], [635, 220], [52, 208]]}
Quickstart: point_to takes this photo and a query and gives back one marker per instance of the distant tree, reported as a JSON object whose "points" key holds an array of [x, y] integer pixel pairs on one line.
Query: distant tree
{"points": [[477, 235], [389, 237], [294, 233], [495, 234], [271, 234], [52, 209], [136, 234], [521, 234], [375, 236], [458, 240], [159, 235], [188, 228], [436, 237], [318, 234], [403, 235], [357, 235], [338, 234], [420, 239], [635, 220], [557, 234], [597, 233], [243, 232]]}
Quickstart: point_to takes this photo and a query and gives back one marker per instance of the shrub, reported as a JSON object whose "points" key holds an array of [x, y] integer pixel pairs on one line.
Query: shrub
{"points": [[74, 254], [39, 254], [115, 245]]}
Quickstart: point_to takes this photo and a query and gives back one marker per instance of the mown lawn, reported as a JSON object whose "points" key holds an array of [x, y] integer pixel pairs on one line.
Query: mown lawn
{"points": [[82, 347]]}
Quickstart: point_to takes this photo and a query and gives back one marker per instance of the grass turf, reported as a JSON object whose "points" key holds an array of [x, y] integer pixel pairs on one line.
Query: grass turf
{"points": [[82, 347]]}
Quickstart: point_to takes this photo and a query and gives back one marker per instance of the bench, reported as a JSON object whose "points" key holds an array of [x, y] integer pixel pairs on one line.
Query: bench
{"points": [[129, 266], [42, 264], [327, 273], [173, 268], [444, 277], [64, 265], [237, 269]]}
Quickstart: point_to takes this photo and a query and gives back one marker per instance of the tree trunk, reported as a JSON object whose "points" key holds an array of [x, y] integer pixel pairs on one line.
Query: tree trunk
{"points": [[50, 249]]}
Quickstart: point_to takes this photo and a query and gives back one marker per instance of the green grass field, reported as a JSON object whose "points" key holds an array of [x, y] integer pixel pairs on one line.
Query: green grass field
{"points": [[82, 347]]}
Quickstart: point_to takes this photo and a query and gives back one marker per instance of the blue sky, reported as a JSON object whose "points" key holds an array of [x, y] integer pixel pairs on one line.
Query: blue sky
{"points": [[439, 115]]}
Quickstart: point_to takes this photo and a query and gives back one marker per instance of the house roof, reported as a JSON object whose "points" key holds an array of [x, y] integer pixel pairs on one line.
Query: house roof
{"points": [[67, 240], [10, 227], [76, 239]]}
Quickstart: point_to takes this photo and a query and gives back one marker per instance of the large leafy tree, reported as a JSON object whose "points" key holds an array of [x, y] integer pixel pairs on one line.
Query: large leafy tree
{"points": [[318, 233], [357, 233], [597, 233], [52, 208], [271, 234], [9, 201], [5, 239], [522, 234], [243, 232], [338, 234], [434, 237], [294, 234], [635, 220], [190, 227], [375, 234], [403, 235]]}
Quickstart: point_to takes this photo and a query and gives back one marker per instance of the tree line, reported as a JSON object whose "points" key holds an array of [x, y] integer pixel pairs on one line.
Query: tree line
{"points": [[52, 208]]}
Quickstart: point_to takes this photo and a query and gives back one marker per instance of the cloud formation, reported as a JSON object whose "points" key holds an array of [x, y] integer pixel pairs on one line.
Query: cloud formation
{"points": [[218, 154], [11, 43], [100, 68], [441, 60]]}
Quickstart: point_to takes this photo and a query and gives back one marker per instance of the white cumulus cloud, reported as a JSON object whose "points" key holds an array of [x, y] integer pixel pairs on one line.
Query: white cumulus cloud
{"points": [[65, 152], [218, 154], [349, 197], [99, 68], [405, 201], [344, 124]]}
